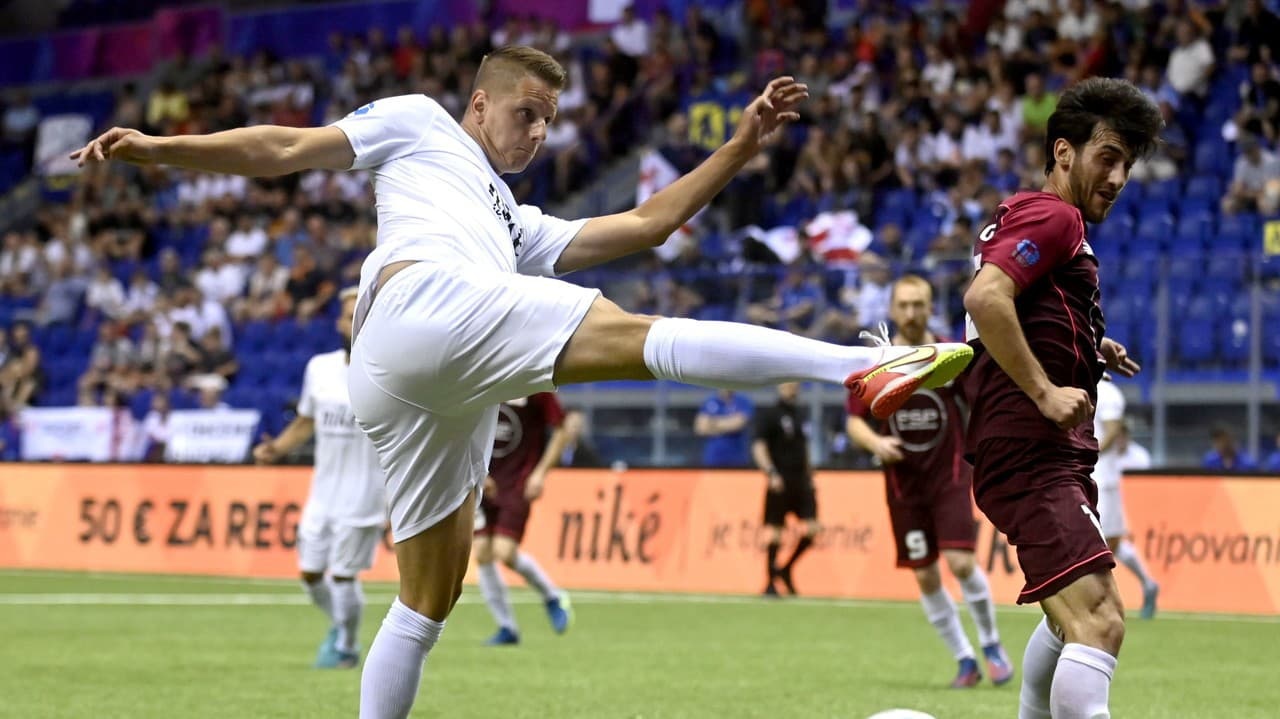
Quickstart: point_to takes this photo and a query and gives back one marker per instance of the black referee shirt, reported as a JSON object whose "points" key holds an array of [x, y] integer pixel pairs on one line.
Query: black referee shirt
{"points": [[782, 430]]}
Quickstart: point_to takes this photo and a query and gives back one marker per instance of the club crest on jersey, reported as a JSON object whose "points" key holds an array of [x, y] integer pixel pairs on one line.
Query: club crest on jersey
{"points": [[503, 213], [1026, 253], [363, 110]]}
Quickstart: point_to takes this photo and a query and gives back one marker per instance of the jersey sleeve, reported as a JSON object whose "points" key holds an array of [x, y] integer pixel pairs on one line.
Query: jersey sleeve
{"points": [[551, 409], [544, 241], [390, 128], [764, 425], [306, 398], [1033, 238], [1110, 406]]}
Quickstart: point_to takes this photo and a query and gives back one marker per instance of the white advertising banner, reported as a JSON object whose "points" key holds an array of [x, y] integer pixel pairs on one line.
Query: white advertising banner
{"points": [[211, 435]]}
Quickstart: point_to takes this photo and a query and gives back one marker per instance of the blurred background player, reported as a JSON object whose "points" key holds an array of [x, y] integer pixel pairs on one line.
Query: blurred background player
{"points": [[724, 421], [529, 441], [928, 486], [1108, 426], [781, 451], [345, 512], [1133, 455]]}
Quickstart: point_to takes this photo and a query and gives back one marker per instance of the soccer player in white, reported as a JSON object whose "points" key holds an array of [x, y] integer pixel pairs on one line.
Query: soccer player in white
{"points": [[1108, 426], [450, 323], [346, 508]]}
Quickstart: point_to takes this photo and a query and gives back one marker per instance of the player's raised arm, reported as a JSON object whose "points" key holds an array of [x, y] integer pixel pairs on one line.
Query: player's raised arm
{"points": [[990, 304], [259, 151], [649, 225]]}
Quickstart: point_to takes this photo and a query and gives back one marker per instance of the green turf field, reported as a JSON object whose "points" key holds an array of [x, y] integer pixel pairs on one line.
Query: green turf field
{"points": [[92, 646]]}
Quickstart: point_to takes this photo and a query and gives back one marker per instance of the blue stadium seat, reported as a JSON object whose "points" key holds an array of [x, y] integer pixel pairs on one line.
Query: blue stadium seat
{"points": [[1229, 267], [1168, 190], [1236, 342], [1212, 158], [1205, 187], [1271, 343], [1195, 342]]}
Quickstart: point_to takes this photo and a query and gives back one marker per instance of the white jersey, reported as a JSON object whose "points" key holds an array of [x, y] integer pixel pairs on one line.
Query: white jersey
{"points": [[1110, 407], [348, 484], [438, 197]]}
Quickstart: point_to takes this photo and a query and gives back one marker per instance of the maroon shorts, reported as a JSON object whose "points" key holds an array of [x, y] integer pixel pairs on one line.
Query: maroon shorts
{"points": [[506, 512], [1042, 497], [922, 526]]}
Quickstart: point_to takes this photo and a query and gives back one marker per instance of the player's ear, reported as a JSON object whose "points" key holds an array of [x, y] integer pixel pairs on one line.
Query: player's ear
{"points": [[479, 103], [1063, 153]]}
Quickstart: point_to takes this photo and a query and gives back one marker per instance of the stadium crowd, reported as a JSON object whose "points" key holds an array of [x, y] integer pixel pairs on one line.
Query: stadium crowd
{"points": [[922, 118]]}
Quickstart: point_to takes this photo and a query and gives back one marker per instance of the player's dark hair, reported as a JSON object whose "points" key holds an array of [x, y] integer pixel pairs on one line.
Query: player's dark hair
{"points": [[1117, 104]]}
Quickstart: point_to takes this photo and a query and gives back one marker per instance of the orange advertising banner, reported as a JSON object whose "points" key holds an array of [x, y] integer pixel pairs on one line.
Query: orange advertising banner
{"points": [[1212, 542]]}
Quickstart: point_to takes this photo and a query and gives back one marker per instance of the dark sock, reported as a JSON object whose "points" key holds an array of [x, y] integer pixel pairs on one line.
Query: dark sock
{"points": [[773, 559], [801, 546]]}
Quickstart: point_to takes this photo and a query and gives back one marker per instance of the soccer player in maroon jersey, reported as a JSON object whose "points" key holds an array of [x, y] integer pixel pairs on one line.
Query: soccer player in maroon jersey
{"points": [[528, 443], [1039, 351], [929, 491]]}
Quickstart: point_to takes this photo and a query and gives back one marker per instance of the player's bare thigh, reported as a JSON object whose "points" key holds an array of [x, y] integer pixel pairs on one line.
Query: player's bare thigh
{"points": [[608, 345], [1089, 611]]}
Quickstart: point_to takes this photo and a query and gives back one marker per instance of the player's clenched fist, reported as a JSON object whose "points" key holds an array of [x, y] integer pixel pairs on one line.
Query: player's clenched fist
{"points": [[1066, 407], [118, 143]]}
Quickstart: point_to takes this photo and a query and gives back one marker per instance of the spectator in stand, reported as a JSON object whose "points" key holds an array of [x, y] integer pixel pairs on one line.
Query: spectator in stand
{"points": [[104, 297], [793, 306], [140, 297], [1255, 182], [724, 423], [1037, 105], [1225, 455], [21, 377], [631, 34], [1191, 63], [266, 286], [307, 290], [214, 358], [61, 301]]}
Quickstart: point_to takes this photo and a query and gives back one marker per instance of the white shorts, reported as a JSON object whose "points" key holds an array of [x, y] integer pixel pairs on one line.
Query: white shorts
{"points": [[343, 550], [440, 348], [1111, 512]]}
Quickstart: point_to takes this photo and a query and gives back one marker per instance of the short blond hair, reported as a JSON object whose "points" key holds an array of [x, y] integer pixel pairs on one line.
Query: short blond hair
{"points": [[506, 65], [911, 281]]}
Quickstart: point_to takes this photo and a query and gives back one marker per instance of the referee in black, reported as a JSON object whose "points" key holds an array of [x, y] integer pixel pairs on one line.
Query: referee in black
{"points": [[781, 451]]}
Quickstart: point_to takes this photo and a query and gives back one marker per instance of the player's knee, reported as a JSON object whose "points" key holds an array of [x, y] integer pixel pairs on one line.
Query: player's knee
{"points": [[929, 579], [1100, 626], [961, 564], [313, 577]]}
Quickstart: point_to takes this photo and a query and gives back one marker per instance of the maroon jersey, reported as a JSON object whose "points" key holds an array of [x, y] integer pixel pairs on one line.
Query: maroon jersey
{"points": [[523, 430], [931, 428], [1039, 241]]}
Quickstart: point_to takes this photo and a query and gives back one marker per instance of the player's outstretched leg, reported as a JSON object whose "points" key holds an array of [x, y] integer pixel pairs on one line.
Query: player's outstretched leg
{"points": [[941, 612], [1091, 617], [977, 594], [317, 587], [802, 546], [611, 344], [432, 565], [494, 590], [1128, 555]]}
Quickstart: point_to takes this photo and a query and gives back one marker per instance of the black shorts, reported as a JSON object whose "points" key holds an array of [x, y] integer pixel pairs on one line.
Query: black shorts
{"points": [[797, 497]]}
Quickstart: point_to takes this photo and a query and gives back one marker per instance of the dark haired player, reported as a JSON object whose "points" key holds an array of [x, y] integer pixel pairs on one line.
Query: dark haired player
{"points": [[1038, 337]]}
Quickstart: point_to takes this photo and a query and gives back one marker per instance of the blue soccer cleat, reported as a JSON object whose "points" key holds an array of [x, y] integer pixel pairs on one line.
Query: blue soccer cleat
{"points": [[505, 636], [1149, 596], [998, 664], [560, 612], [328, 650], [969, 674], [338, 659]]}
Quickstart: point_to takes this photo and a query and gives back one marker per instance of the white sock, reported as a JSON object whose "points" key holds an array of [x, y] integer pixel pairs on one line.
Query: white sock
{"points": [[1082, 682], [977, 594], [320, 596], [730, 355], [494, 591], [1039, 663], [393, 669], [528, 567], [348, 607], [941, 613], [1128, 555]]}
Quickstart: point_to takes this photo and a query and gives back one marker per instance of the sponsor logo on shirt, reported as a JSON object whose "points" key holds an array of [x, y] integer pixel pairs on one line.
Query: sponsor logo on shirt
{"points": [[1026, 253], [503, 212]]}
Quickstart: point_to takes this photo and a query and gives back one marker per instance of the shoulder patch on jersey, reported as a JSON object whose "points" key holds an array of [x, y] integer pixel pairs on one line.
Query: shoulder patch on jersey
{"points": [[363, 110], [1027, 252]]}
